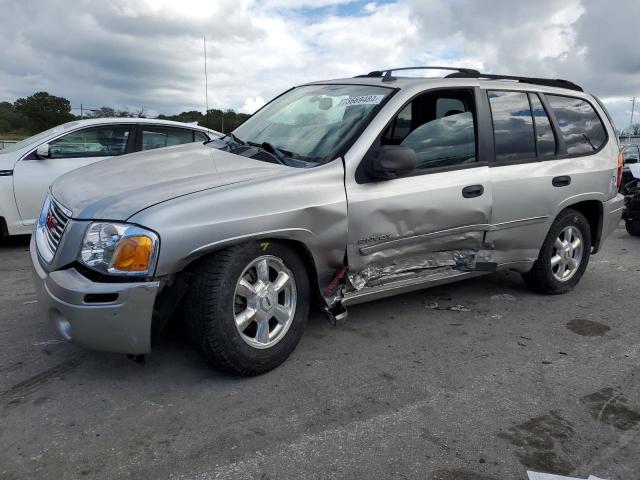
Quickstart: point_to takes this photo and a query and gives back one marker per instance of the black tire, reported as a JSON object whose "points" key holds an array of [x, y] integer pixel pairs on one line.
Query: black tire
{"points": [[540, 278], [209, 310], [633, 227]]}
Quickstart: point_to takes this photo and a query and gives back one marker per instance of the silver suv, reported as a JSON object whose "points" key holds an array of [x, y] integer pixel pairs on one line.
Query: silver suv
{"points": [[343, 191]]}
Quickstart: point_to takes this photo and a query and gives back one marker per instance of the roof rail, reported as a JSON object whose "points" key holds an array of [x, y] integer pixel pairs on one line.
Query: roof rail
{"points": [[471, 73], [547, 82], [387, 77]]}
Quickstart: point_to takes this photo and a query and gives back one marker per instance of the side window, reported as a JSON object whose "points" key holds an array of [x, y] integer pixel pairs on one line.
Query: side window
{"points": [[512, 126], [545, 139], [439, 127], [580, 126], [159, 137], [630, 154], [200, 136], [402, 124], [103, 141], [446, 107]]}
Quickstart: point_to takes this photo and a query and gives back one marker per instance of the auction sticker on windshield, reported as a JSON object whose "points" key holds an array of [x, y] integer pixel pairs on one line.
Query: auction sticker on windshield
{"points": [[361, 100]]}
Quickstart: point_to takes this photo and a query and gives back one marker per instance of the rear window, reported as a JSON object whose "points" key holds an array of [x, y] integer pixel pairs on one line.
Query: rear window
{"points": [[512, 126], [580, 125]]}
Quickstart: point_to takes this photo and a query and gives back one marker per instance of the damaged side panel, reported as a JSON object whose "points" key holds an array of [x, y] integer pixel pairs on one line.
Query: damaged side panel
{"points": [[413, 266], [417, 227]]}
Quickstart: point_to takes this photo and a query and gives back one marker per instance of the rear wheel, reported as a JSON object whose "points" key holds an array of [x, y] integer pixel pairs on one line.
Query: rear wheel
{"points": [[633, 227], [564, 255], [248, 307]]}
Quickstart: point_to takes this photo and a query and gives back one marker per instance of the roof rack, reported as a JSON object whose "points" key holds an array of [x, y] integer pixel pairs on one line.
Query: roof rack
{"points": [[547, 82], [471, 73], [387, 74]]}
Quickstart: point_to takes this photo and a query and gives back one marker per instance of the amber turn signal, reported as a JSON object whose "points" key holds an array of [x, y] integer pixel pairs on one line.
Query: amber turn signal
{"points": [[620, 167], [133, 254]]}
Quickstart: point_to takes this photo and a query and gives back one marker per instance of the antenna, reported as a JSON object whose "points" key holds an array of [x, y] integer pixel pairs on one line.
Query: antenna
{"points": [[206, 79]]}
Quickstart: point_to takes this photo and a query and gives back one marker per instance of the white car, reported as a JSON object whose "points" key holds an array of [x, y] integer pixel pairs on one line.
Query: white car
{"points": [[27, 168]]}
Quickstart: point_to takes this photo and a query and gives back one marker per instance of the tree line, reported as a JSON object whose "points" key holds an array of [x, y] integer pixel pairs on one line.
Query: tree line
{"points": [[40, 111]]}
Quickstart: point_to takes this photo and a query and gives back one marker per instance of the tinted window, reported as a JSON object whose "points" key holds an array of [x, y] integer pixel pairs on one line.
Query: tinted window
{"points": [[449, 106], [444, 141], [630, 154], [104, 141], [580, 125], [200, 136], [158, 137], [402, 124], [512, 126], [545, 139]]}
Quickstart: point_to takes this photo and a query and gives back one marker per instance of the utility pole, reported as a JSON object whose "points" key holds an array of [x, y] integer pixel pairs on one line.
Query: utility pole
{"points": [[81, 112], [633, 105], [206, 79]]}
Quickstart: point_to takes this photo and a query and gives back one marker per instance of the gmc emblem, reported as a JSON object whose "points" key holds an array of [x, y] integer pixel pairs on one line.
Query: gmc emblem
{"points": [[51, 222]]}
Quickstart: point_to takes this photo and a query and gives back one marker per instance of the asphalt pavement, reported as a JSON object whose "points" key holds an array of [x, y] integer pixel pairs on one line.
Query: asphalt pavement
{"points": [[479, 380]]}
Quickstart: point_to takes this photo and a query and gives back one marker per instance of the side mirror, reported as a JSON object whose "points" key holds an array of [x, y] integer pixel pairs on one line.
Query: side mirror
{"points": [[391, 161], [43, 151]]}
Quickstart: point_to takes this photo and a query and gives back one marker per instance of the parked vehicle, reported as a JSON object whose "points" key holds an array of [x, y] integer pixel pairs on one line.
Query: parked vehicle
{"points": [[343, 191], [631, 213], [27, 168], [631, 154]]}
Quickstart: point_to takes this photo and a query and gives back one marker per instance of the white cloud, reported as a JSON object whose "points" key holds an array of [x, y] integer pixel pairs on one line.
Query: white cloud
{"points": [[149, 53], [250, 105]]}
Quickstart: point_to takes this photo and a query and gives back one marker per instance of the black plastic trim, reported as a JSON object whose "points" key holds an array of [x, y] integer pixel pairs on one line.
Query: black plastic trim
{"points": [[6, 173], [546, 82], [102, 278]]}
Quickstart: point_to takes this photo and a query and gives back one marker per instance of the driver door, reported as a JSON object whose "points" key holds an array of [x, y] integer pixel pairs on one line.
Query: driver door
{"points": [[432, 222], [32, 175]]}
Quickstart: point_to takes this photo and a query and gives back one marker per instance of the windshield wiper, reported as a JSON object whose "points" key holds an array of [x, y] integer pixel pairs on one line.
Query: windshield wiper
{"points": [[236, 139], [272, 149]]}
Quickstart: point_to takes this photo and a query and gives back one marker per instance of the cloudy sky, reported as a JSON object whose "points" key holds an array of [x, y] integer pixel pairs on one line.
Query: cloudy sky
{"points": [[149, 53]]}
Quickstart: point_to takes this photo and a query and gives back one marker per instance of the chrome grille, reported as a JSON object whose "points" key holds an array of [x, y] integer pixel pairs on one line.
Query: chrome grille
{"points": [[55, 224], [51, 226]]}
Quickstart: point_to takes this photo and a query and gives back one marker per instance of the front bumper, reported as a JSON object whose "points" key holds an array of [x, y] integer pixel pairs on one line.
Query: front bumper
{"points": [[612, 213], [110, 317]]}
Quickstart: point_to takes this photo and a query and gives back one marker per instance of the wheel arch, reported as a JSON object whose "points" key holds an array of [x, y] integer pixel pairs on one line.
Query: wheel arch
{"points": [[317, 273], [593, 212]]}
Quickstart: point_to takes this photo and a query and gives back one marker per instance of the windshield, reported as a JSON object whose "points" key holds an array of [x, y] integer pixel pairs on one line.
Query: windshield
{"points": [[35, 138], [310, 123]]}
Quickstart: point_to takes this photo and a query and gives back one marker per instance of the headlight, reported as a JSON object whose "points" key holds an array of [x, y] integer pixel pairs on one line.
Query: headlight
{"points": [[119, 249]]}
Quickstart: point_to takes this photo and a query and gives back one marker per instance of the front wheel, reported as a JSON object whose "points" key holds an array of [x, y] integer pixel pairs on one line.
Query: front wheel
{"points": [[633, 227], [248, 305], [564, 255]]}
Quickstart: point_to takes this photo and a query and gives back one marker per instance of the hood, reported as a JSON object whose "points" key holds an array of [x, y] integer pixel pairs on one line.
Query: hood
{"points": [[116, 189]]}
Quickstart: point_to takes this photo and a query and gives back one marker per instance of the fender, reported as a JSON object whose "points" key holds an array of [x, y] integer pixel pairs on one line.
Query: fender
{"points": [[307, 206]]}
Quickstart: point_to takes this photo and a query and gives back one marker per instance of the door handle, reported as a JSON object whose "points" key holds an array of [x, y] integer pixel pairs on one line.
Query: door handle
{"points": [[472, 191], [561, 181]]}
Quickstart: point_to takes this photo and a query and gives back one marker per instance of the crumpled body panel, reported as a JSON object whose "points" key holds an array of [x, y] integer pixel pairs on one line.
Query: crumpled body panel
{"points": [[411, 266]]}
